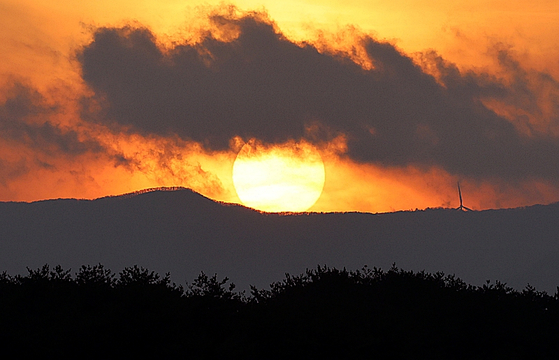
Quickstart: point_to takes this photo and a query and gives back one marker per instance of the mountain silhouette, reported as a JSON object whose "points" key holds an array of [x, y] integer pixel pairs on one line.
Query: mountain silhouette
{"points": [[183, 232]]}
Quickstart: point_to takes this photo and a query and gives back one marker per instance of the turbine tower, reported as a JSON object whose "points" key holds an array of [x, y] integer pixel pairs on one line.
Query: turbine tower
{"points": [[461, 207]]}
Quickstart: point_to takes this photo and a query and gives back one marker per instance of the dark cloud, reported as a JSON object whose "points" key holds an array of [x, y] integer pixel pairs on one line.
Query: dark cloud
{"points": [[262, 85], [32, 140], [24, 119], [25, 123]]}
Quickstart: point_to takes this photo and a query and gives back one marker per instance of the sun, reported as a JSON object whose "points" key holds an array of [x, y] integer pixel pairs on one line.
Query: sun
{"points": [[287, 177]]}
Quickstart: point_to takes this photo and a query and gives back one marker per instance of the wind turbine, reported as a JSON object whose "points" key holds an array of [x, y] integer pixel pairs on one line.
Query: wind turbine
{"points": [[462, 207]]}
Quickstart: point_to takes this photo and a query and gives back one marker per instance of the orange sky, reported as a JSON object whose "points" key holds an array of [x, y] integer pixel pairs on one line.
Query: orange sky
{"points": [[39, 42]]}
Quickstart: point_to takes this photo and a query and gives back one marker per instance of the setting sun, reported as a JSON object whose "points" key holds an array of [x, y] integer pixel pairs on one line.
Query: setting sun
{"points": [[289, 177]]}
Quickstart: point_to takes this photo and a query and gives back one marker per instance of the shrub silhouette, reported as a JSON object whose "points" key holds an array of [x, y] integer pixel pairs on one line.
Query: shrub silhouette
{"points": [[322, 313]]}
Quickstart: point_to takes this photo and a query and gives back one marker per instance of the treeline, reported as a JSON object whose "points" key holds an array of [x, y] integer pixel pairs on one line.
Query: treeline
{"points": [[323, 313]]}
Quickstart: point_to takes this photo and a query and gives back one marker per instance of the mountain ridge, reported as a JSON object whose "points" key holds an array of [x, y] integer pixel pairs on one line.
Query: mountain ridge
{"points": [[183, 232]]}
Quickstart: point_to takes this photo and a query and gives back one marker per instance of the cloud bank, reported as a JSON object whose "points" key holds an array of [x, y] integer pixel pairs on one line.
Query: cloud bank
{"points": [[253, 82]]}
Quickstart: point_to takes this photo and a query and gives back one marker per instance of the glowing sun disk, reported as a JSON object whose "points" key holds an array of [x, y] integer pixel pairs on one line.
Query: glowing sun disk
{"points": [[287, 177]]}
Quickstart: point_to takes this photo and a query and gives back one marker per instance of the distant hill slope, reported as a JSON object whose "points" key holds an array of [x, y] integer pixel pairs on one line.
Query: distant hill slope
{"points": [[184, 233]]}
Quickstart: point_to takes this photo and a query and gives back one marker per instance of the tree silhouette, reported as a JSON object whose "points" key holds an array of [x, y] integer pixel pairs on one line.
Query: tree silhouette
{"points": [[206, 286], [322, 313]]}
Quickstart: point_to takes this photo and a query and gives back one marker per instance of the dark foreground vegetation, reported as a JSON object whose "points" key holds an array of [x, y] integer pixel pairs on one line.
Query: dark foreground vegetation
{"points": [[324, 313]]}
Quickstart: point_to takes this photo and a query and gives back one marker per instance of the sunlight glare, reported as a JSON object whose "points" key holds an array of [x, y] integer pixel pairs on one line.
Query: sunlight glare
{"points": [[288, 177]]}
